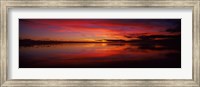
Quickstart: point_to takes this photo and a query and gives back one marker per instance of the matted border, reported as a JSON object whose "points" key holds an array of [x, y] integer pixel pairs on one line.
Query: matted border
{"points": [[6, 4]]}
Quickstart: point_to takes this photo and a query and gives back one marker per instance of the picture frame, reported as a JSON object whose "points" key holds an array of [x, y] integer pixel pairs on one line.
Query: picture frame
{"points": [[7, 4]]}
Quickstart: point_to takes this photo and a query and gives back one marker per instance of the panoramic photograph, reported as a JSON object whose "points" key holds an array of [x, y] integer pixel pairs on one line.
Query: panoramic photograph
{"points": [[99, 43]]}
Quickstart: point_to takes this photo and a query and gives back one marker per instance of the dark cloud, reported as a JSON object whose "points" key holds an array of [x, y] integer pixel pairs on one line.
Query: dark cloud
{"points": [[175, 29], [159, 36], [134, 35]]}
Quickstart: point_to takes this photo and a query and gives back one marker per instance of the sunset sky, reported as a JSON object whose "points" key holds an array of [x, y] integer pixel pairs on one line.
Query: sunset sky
{"points": [[96, 29]]}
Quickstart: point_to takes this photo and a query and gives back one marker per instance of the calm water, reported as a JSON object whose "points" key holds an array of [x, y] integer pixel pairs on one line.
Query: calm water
{"points": [[99, 55]]}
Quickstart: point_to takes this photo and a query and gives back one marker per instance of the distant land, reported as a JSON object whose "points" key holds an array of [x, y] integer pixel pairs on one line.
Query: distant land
{"points": [[163, 39]]}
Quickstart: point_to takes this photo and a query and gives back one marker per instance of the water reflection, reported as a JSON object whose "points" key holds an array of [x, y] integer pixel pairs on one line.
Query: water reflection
{"points": [[100, 55]]}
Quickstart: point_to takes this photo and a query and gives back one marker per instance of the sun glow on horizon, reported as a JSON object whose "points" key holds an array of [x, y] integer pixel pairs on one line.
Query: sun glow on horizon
{"points": [[104, 41]]}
